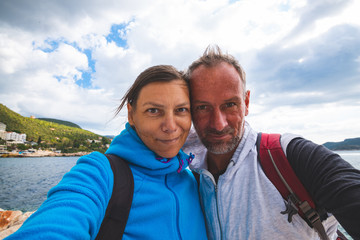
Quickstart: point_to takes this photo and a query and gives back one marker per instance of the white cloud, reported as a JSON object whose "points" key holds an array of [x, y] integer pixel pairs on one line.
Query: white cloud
{"points": [[320, 123], [176, 32]]}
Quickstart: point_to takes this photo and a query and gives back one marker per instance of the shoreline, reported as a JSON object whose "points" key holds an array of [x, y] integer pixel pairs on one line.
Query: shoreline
{"points": [[11, 221], [42, 154]]}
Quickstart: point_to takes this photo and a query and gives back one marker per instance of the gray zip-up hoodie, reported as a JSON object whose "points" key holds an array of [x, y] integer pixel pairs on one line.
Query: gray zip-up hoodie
{"points": [[244, 204]]}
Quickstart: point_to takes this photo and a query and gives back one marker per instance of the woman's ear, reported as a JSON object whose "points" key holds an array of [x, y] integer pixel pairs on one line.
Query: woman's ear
{"points": [[130, 113]]}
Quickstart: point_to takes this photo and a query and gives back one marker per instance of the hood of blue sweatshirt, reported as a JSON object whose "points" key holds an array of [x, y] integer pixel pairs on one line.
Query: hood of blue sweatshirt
{"points": [[130, 147]]}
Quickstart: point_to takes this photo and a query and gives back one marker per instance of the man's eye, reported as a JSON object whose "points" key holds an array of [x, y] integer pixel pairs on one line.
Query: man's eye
{"points": [[230, 104], [201, 107], [152, 110]]}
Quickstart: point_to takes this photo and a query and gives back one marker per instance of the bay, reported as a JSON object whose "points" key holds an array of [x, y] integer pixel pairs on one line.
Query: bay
{"points": [[353, 157], [24, 182]]}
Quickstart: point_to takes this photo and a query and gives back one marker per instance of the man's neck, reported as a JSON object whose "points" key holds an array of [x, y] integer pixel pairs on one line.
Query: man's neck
{"points": [[217, 163]]}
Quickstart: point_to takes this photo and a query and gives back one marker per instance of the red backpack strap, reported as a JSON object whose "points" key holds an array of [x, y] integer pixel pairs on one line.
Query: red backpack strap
{"points": [[279, 171]]}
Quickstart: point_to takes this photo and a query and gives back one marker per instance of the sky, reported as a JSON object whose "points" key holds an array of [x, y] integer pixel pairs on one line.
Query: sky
{"points": [[74, 60]]}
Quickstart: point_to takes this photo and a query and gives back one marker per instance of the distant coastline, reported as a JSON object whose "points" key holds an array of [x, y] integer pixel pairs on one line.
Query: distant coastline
{"points": [[346, 145], [41, 153]]}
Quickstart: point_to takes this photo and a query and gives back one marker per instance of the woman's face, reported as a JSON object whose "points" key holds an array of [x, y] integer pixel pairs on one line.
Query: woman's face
{"points": [[162, 117]]}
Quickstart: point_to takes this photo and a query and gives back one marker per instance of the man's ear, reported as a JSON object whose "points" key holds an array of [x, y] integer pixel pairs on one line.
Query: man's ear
{"points": [[247, 102], [130, 113]]}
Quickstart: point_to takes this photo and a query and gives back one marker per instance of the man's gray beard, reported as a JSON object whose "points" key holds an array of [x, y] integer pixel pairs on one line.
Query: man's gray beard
{"points": [[223, 147]]}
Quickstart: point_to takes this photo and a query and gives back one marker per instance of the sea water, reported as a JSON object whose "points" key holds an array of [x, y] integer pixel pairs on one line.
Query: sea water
{"points": [[24, 182], [352, 157]]}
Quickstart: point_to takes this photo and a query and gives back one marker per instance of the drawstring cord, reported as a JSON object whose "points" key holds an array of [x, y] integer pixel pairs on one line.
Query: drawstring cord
{"points": [[181, 161]]}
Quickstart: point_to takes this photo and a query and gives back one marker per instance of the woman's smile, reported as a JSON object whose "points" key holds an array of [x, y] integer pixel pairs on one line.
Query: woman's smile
{"points": [[162, 121]]}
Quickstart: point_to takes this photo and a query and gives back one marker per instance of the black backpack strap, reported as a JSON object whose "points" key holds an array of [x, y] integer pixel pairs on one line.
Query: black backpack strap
{"points": [[279, 171], [118, 209]]}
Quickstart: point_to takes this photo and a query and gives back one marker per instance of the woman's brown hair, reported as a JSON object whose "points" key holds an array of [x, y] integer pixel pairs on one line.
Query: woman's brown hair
{"points": [[159, 73]]}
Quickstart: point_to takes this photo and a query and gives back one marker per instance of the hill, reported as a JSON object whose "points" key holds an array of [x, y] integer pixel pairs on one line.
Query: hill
{"points": [[347, 144], [51, 134], [110, 136], [66, 123]]}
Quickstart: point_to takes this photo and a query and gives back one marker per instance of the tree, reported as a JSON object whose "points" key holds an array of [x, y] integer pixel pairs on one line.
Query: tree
{"points": [[39, 140], [76, 143], [22, 147], [105, 141]]}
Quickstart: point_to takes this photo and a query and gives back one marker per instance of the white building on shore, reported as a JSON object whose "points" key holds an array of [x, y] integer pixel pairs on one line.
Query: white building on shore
{"points": [[11, 137], [2, 135], [2, 127], [15, 137], [2, 131]]}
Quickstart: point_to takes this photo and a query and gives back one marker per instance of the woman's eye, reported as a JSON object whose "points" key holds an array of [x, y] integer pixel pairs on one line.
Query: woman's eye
{"points": [[181, 110]]}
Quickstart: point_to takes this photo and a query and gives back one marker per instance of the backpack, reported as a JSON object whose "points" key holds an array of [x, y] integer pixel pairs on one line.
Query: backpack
{"points": [[118, 208], [279, 171], [274, 164]]}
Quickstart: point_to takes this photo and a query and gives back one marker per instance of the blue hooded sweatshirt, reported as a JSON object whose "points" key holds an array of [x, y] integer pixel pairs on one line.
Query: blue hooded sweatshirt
{"points": [[165, 201]]}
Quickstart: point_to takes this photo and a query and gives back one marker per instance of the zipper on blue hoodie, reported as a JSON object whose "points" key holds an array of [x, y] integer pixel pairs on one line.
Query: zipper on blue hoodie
{"points": [[177, 207]]}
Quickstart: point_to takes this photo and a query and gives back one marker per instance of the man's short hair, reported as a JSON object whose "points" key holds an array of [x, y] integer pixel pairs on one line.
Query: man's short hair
{"points": [[213, 56]]}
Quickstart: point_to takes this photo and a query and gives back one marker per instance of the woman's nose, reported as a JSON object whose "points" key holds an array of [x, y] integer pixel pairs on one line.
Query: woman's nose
{"points": [[169, 124]]}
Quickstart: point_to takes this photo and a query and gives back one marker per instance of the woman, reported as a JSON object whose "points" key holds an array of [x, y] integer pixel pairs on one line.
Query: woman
{"points": [[165, 201]]}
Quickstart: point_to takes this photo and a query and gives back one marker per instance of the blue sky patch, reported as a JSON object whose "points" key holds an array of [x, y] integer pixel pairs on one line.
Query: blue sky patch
{"points": [[51, 45], [85, 81], [118, 34], [59, 78]]}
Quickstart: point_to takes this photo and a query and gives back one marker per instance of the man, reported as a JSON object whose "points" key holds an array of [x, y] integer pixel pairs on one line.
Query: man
{"points": [[238, 199]]}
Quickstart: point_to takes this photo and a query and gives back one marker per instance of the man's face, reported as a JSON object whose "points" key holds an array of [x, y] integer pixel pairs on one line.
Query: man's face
{"points": [[218, 107]]}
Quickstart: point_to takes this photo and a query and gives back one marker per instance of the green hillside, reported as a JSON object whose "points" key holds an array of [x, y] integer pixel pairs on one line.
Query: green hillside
{"points": [[66, 123], [51, 134]]}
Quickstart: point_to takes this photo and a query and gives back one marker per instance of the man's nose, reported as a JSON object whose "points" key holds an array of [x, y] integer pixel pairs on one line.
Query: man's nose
{"points": [[169, 124], [218, 120]]}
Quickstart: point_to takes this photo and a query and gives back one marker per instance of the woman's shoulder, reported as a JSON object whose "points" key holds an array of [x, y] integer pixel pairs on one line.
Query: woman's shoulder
{"points": [[97, 156], [95, 159], [93, 169]]}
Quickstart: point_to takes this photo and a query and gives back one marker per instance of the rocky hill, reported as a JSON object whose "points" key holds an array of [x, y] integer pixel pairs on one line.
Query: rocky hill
{"points": [[347, 144]]}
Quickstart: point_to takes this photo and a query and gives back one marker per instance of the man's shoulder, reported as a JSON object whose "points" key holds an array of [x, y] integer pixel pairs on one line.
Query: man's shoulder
{"points": [[286, 138]]}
